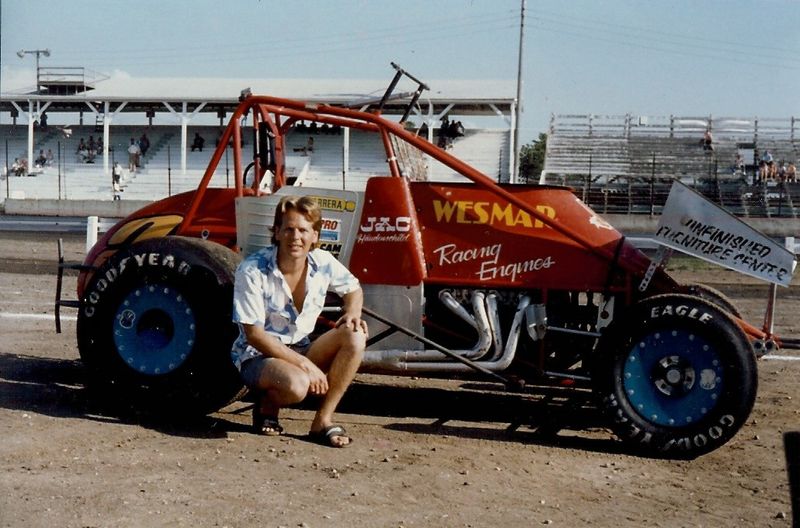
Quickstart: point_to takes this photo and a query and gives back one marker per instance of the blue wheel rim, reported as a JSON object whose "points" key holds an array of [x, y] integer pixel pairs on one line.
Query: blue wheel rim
{"points": [[154, 329], [673, 378]]}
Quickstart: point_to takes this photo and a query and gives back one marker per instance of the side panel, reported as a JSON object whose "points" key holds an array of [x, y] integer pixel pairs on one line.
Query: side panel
{"points": [[403, 305], [388, 248], [340, 213], [473, 237]]}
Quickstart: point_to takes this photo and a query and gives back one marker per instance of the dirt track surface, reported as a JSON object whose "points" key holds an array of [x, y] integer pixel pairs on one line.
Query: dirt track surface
{"points": [[426, 452]]}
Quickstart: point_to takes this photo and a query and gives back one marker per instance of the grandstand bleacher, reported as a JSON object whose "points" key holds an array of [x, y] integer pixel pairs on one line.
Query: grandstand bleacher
{"points": [[159, 174], [625, 165]]}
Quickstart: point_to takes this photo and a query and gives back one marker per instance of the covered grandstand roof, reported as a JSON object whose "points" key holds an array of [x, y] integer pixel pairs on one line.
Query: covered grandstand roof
{"points": [[468, 97]]}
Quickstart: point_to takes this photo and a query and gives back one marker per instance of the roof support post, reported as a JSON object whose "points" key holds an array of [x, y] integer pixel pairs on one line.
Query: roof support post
{"points": [[106, 136], [513, 154], [184, 139], [31, 119], [107, 118], [185, 117]]}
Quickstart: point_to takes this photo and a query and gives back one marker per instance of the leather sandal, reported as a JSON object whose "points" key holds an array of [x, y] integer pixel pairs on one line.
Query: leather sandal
{"points": [[265, 425]]}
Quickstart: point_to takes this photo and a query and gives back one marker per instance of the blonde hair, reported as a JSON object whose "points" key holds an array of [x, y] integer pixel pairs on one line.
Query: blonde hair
{"points": [[306, 206]]}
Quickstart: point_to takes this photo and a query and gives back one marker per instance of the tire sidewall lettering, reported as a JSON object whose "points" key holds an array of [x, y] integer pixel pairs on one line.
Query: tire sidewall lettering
{"points": [[680, 310], [150, 260]]}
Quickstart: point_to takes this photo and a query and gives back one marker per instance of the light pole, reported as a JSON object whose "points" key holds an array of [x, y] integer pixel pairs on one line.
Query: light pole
{"points": [[38, 52]]}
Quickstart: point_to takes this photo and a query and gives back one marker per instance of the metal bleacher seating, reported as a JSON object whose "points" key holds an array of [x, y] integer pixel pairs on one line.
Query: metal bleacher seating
{"points": [[160, 173], [622, 164]]}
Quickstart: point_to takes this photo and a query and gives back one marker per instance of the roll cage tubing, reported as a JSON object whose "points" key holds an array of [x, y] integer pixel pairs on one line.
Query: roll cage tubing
{"points": [[300, 111]]}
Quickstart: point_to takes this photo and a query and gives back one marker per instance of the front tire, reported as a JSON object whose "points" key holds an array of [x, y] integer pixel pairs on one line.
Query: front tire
{"points": [[676, 376], [155, 329]]}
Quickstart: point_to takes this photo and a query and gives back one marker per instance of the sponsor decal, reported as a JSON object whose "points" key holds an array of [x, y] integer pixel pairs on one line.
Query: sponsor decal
{"points": [[741, 252], [693, 225], [488, 259], [334, 248], [600, 223], [332, 203], [385, 229], [386, 224], [491, 213], [331, 230]]}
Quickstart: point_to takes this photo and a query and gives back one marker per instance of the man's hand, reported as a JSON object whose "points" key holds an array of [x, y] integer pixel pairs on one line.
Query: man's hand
{"points": [[318, 381], [353, 322]]}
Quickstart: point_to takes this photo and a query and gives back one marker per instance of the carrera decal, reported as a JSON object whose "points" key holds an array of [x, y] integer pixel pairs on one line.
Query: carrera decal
{"points": [[332, 203], [491, 213]]}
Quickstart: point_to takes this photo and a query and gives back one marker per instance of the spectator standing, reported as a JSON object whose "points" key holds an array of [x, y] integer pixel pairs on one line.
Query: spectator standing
{"points": [[144, 144], [116, 178], [133, 156], [92, 150], [442, 139], [49, 158]]}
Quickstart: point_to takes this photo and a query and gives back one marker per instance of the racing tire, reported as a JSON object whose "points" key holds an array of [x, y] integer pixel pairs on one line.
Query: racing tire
{"points": [[154, 328], [676, 376], [712, 295]]}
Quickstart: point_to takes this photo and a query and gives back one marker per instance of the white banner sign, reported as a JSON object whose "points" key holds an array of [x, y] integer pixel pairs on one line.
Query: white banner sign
{"points": [[693, 225]]}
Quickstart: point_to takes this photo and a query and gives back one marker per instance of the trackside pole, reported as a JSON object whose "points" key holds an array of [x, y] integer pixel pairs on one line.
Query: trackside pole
{"points": [[791, 443], [91, 232]]}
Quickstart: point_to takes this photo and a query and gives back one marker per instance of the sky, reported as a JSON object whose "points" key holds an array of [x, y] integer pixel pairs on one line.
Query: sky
{"points": [[732, 58]]}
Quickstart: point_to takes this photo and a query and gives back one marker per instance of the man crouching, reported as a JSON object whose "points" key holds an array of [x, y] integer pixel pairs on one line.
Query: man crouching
{"points": [[279, 292]]}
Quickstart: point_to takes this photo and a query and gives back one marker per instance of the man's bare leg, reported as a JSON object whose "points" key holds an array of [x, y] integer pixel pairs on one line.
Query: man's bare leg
{"points": [[338, 351], [281, 384]]}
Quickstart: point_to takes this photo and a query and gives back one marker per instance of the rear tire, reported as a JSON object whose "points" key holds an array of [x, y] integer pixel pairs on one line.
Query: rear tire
{"points": [[713, 296], [155, 329], [676, 376]]}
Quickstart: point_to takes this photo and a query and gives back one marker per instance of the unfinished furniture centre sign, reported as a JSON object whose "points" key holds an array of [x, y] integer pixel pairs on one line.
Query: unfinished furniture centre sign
{"points": [[693, 225]]}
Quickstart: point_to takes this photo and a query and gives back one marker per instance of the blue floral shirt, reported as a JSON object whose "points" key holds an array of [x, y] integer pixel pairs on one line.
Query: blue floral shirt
{"points": [[261, 296]]}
